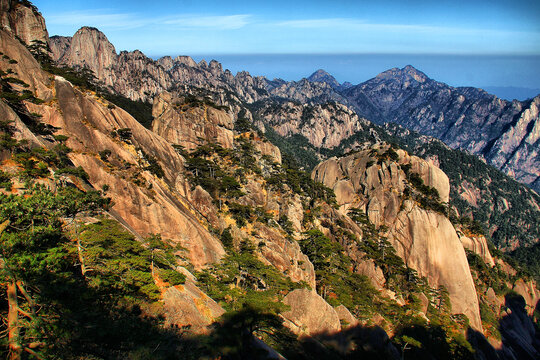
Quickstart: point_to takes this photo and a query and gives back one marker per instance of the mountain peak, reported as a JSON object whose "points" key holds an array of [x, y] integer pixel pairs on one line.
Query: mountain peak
{"points": [[407, 73], [322, 76]]}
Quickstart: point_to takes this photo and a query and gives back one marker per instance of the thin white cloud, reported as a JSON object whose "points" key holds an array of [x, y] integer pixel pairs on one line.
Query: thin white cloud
{"points": [[103, 19], [225, 22], [360, 25], [98, 18]]}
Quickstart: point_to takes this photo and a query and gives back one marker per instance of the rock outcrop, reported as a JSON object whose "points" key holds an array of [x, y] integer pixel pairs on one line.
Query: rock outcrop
{"points": [[424, 239], [310, 314], [505, 133], [478, 245], [187, 305], [325, 125], [23, 21], [189, 124], [147, 203]]}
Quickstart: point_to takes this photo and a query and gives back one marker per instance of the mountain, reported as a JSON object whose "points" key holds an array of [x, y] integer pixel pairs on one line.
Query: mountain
{"points": [[505, 134], [322, 120], [324, 77], [196, 237]]}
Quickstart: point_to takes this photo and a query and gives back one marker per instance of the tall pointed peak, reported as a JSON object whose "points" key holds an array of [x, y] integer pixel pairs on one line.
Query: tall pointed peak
{"points": [[407, 73], [323, 76]]}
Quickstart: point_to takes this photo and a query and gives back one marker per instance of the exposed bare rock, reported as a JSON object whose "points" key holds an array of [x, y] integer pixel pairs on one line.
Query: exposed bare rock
{"points": [[323, 125], [285, 255], [529, 291], [187, 305], [147, 203], [190, 125], [21, 132], [369, 269], [138, 77], [426, 240], [203, 202], [59, 46], [23, 21], [26, 68], [310, 314], [345, 317], [90, 48], [505, 133], [268, 149], [478, 245]]}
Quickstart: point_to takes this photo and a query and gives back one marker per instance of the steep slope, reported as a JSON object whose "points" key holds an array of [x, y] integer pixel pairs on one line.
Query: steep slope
{"points": [[504, 133], [424, 238], [138, 77], [311, 121], [23, 21], [159, 198]]}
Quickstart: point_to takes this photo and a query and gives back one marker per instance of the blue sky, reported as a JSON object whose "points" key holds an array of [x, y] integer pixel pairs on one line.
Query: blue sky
{"points": [[315, 27]]}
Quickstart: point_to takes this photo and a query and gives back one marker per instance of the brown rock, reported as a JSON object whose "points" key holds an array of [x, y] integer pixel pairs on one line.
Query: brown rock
{"points": [[285, 255], [369, 269], [181, 123], [529, 291], [428, 243], [26, 68], [187, 305], [425, 240], [23, 21], [151, 206], [310, 314], [345, 317], [478, 245]]}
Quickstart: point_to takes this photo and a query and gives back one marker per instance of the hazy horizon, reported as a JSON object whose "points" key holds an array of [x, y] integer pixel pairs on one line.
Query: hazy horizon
{"points": [[475, 43]]}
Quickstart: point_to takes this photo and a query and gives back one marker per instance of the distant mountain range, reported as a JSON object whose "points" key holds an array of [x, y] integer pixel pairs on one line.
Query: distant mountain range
{"points": [[506, 134]]}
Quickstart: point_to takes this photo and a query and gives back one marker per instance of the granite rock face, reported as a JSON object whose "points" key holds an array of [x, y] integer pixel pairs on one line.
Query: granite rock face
{"points": [[190, 125], [187, 305], [142, 200], [505, 133], [310, 314], [23, 21], [424, 239], [139, 77], [324, 125]]}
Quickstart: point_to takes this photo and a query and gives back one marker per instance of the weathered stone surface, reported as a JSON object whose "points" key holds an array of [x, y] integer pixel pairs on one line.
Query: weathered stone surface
{"points": [[503, 132], [23, 21], [310, 314], [530, 292], [150, 207], [425, 240], [478, 245], [428, 242], [323, 125], [345, 317], [285, 255], [181, 123], [187, 305], [26, 68], [369, 269]]}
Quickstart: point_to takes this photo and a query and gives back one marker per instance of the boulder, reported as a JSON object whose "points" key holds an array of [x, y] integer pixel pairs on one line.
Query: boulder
{"points": [[310, 314], [345, 317], [187, 305]]}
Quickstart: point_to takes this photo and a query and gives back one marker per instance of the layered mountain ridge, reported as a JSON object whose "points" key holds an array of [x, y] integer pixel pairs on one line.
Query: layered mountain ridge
{"points": [[504, 133], [265, 259]]}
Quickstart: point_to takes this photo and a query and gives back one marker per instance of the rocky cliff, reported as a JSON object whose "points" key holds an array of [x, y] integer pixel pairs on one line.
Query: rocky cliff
{"points": [[138, 77], [23, 21], [258, 254], [504, 133], [425, 239]]}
